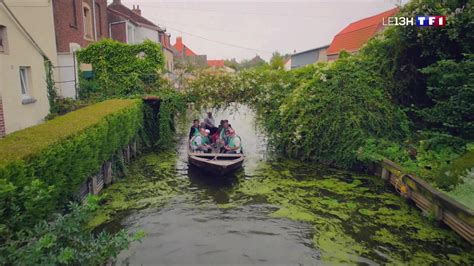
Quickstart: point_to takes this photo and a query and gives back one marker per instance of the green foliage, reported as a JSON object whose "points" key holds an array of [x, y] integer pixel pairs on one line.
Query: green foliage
{"points": [[432, 156], [321, 113], [277, 61], [121, 69], [41, 167], [464, 191], [330, 115], [66, 105], [419, 64], [232, 63], [451, 87], [168, 108], [65, 240], [89, 88], [52, 93]]}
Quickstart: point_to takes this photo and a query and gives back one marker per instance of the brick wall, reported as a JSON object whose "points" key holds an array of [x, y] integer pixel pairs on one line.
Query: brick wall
{"points": [[118, 32], [69, 24], [2, 120]]}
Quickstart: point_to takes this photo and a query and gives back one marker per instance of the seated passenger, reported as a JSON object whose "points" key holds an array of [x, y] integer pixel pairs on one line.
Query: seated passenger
{"points": [[200, 143], [234, 145], [194, 131], [222, 133], [222, 140]]}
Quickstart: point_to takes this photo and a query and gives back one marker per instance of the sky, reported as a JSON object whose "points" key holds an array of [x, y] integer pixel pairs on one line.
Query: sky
{"points": [[241, 29]]}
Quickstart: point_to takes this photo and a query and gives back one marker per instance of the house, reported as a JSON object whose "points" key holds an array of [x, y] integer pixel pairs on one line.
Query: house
{"points": [[77, 23], [287, 63], [220, 65], [356, 34], [169, 51], [215, 63], [309, 57], [254, 62], [129, 26], [185, 56], [26, 42]]}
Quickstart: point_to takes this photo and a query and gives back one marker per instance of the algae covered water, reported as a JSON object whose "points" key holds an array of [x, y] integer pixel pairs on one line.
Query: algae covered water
{"points": [[273, 211]]}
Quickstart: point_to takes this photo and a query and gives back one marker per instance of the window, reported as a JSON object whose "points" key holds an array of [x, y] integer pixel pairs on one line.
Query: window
{"points": [[24, 81], [87, 22], [74, 15], [3, 38]]}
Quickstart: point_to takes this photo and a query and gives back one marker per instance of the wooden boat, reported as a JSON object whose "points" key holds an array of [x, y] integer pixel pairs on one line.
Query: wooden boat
{"points": [[216, 163]]}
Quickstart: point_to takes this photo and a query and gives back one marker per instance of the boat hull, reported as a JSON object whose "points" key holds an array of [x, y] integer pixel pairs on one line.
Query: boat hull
{"points": [[216, 163]]}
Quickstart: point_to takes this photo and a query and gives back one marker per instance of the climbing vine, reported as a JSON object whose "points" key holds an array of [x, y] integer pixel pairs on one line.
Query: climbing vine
{"points": [[121, 69], [52, 91]]}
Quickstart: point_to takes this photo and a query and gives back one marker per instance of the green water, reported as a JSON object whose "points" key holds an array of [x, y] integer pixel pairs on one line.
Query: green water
{"points": [[273, 211]]}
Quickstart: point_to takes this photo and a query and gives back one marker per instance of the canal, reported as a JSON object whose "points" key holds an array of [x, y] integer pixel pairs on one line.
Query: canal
{"points": [[273, 211]]}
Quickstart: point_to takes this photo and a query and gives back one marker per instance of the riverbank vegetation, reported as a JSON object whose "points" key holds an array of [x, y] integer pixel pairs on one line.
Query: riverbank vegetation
{"points": [[408, 96], [41, 168]]}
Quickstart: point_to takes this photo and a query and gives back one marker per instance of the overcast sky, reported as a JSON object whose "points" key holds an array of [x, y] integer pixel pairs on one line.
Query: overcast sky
{"points": [[241, 29]]}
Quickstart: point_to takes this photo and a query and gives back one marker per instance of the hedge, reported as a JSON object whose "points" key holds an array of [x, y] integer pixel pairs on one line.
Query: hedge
{"points": [[41, 167]]}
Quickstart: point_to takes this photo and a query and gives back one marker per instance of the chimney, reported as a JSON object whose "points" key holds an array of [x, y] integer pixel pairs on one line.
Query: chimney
{"points": [[179, 41], [117, 2], [137, 10]]}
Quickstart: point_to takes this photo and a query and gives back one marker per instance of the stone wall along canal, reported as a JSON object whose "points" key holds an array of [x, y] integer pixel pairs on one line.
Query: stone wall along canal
{"points": [[274, 211]]}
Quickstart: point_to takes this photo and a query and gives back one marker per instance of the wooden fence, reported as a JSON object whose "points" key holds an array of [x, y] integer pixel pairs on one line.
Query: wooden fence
{"points": [[105, 176], [455, 215]]}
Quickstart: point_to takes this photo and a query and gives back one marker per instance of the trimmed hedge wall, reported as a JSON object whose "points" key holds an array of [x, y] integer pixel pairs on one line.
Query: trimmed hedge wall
{"points": [[42, 167]]}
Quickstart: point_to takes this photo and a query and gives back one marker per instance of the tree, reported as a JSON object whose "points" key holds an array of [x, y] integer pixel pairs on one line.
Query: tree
{"points": [[277, 61], [232, 63]]}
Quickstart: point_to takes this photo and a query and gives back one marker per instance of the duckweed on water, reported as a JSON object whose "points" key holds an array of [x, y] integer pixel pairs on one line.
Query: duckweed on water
{"points": [[150, 183], [354, 217], [353, 214]]}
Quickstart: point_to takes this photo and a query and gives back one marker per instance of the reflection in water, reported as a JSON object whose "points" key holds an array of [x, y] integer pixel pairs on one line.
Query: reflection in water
{"points": [[273, 212]]}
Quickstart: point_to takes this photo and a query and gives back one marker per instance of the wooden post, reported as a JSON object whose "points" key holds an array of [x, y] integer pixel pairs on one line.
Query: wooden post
{"points": [[126, 154], [133, 148], [385, 174], [438, 211], [107, 172], [97, 184], [94, 185]]}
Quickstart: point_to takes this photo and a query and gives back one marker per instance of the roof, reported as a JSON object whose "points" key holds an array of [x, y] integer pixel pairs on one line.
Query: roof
{"points": [[215, 63], [356, 34], [179, 46], [129, 14], [311, 50]]}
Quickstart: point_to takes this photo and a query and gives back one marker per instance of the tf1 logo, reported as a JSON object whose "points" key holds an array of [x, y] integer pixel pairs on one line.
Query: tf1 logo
{"points": [[421, 21]]}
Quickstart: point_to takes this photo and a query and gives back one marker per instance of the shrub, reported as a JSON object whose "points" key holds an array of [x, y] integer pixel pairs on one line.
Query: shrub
{"points": [[65, 240], [329, 116], [41, 167], [451, 87]]}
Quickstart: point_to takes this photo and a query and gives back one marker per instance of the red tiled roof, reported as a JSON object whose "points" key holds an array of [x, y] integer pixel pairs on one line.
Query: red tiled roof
{"points": [[215, 63], [132, 16], [356, 34], [179, 46]]}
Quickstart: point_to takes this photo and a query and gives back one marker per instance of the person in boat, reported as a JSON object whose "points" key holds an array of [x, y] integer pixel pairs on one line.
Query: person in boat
{"points": [[225, 128], [194, 131], [210, 123], [200, 143], [222, 141], [234, 145]]}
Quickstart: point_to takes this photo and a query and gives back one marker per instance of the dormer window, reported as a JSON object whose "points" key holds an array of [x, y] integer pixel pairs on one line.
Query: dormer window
{"points": [[3, 39], [87, 17]]}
